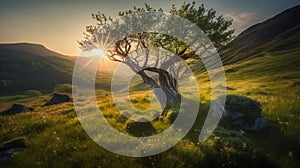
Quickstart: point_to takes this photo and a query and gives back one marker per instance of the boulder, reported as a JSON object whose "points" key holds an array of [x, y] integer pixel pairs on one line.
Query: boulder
{"points": [[140, 128], [58, 98], [16, 109], [10, 147], [240, 111], [258, 124]]}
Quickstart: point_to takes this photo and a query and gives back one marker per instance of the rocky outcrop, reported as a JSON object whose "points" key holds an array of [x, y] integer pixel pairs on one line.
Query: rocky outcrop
{"points": [[16, 109], [241, 112], [10, 147], [58, 98]]}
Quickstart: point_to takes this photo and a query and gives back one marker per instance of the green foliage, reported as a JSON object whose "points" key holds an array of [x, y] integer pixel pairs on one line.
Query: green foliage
{"points": [[233, 149], [55, 137], [217, 28], [33, 93], [63, 88]]}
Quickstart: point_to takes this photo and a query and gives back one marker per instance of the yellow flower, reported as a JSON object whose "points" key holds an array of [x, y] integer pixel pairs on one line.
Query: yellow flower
{"points": [[216, 137], [290, 154], [244, 145]]}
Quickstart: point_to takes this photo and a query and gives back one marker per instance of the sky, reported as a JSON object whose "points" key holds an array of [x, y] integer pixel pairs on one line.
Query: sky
{"points": [[58, 24]]}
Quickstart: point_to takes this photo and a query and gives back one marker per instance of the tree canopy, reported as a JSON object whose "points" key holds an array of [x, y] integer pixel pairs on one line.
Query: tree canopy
{"points": [[134, 49]]}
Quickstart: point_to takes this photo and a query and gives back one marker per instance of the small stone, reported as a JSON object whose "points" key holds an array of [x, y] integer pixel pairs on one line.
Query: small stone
{"points": [[9, 147], [16, 109], [58, 98]]}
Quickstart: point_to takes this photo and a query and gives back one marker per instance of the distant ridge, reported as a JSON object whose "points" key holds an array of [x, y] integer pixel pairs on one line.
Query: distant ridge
{"points": [[282, 29], [267, 30], [25, 66], [36, 49]]}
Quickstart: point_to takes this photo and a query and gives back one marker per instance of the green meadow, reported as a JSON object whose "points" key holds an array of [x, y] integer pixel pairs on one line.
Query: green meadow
{"points": [[263, 68], [54, 136]]}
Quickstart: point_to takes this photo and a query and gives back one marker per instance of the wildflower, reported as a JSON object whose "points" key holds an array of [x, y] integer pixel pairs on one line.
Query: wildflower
{"points": [[216, 137], [244, 145], [290, 154]]}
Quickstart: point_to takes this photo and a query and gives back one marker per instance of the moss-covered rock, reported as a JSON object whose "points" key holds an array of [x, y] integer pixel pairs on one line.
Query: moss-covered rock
{"points": [[140, 128], [240, 111], [241, 104]]}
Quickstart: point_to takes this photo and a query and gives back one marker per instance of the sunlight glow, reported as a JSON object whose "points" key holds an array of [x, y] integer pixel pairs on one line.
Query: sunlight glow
{"points": [[94, 52]]}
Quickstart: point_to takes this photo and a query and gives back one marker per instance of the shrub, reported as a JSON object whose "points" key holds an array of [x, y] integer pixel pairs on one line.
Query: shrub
{"points": [[229, 148], [33, 93], [138, 128], [63, 88]]}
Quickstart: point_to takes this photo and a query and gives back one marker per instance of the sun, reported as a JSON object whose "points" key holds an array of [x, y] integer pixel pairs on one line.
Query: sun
{"points": [[97, 47], [98, 44]]}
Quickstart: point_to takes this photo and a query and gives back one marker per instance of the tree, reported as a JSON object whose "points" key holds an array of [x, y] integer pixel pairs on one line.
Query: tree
{"points": [[134, 49]]}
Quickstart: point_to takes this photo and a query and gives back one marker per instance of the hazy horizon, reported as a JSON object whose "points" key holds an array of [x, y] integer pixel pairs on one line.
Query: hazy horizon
{"points": [[58, 25]]}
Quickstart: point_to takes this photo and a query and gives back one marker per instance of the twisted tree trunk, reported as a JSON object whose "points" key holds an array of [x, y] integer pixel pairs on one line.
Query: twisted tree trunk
{"points": [[166, 89], [169, 86]]}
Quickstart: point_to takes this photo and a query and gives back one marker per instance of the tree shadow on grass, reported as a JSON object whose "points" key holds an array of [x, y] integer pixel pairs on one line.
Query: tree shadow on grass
{"points": [[279, 147]]}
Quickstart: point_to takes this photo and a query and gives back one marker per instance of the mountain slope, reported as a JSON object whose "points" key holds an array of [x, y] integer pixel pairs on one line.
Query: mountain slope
{"points": [[25, 66], [266, 55], [32, 66], [281, 32], [36, 49]]}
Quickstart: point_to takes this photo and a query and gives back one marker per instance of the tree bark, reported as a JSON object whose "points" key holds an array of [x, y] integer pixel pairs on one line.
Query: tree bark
{"points": [[165, 89], [169, 86], [155, 87]]}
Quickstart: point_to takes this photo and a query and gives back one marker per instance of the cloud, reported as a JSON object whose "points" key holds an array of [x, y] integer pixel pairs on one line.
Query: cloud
{"points": [[241, 21]]}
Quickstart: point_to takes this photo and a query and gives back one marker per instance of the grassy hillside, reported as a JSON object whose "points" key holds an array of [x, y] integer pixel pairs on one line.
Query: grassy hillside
{"points": [[26, 66], [55, 137], [268, 72], [29, 66], [280, 32]]}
